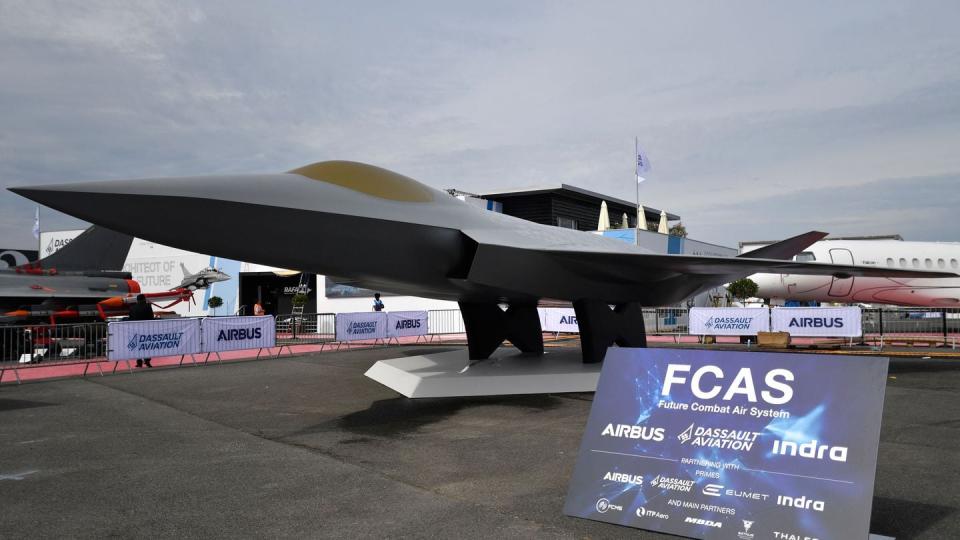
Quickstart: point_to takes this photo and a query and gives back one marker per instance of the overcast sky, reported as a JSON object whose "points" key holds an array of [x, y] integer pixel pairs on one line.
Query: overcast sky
{"points": [[762, 120]]}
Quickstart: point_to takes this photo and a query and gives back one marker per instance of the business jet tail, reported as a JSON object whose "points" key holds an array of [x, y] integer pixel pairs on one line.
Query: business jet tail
{"points": [[784, 250]]}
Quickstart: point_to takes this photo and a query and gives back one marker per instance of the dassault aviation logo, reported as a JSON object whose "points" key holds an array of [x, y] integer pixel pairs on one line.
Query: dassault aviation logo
{"points": [[362, 327], [729, 323], [154, 342]]}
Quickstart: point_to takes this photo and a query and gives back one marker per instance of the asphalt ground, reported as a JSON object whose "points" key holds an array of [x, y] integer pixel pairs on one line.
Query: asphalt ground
{"points": [[308, 447]]}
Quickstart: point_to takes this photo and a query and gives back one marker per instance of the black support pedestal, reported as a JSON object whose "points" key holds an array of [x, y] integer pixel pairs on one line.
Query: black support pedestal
{"points": [[488, 326], [601, 327]]}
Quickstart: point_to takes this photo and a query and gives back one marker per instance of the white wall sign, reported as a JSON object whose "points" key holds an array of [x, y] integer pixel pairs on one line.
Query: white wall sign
{"points": [[729, 321], [559, 320], [236, 333], [361, 325], [128, 340], [53, 241], [406, 323], [822, 321]]}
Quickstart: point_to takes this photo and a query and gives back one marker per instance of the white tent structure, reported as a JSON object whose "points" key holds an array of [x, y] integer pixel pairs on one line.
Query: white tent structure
{"points": [[663, 228], [604, 223]]}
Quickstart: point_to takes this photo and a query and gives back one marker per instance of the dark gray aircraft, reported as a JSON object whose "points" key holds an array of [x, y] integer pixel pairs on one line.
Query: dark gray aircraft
{"points": [[69, 283], [384, 231]]}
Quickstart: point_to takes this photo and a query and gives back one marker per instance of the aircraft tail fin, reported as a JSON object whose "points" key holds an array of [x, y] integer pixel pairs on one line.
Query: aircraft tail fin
{"points": [[183, 268], [95, 249], [784, 250]]}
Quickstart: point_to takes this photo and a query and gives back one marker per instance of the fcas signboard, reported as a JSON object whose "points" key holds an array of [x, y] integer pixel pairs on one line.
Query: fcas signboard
{"points": [[748, 446]]}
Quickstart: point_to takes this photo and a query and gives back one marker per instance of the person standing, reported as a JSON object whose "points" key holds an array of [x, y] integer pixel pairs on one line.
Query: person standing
{"points": [[377, 303], [258, 310], [141, 311]]}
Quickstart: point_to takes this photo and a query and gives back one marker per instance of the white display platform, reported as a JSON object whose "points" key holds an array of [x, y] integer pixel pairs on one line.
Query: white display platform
{"points": [[453, 374]]}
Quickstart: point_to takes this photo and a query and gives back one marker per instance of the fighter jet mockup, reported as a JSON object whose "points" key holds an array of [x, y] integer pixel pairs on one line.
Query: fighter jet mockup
{"points": [[69, 283], [385, 231], [202, 279]]}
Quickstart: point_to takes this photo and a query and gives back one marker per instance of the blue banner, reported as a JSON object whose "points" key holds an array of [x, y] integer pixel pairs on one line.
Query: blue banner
{"points": [[745, 445]]}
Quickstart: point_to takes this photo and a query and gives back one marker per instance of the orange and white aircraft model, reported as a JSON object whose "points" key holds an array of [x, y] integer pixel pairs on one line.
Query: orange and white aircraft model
{"points": [[894, 254]]}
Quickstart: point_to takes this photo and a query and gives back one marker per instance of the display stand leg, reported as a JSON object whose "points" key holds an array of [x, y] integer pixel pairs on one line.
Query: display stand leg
{"points": [[488, 326], [601, 327]]}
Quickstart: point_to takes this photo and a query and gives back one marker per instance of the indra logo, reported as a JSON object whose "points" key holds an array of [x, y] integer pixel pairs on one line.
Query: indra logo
{"points": [[568, 319], [816, 322], [810, 450], [802, 503], [154, 342], [359, 328], [604, 506], [407, 324], [239, 334], [729, 323], [672, 484], [726, 439], [627, 431]]}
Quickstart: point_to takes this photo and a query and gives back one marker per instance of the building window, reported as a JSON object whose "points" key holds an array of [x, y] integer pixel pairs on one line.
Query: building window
{"points": [[806, 256], [566, 223], [890, 262]]}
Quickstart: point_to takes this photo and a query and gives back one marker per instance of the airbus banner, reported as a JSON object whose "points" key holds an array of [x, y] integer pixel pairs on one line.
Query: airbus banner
{"points": [[719, 444], [406, 323], [128, 340], [559, 320], [729, 321], [822, 321], [236, 333], [361, 326]]}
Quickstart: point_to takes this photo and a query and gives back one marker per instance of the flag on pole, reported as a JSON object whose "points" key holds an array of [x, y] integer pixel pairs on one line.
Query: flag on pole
{"points": [[36, 224], [643, 162]]}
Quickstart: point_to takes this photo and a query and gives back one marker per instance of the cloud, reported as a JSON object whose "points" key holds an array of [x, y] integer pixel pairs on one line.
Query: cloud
{"points": [[739, 106]]}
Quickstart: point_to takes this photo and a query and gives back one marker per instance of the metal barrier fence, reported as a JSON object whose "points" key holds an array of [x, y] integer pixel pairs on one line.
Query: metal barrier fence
{"points": [[31, 344], [306, 328], [21, 346]]}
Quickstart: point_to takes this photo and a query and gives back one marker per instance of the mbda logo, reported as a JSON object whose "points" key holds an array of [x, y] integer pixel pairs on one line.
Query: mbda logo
{"points": [[703, 522]]}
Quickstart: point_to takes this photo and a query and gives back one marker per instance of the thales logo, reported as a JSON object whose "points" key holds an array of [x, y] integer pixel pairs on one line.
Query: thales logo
{"points": [[800, 502], [407, 324], [810, 450], [235, 334], [729, 439], [627, 431], [623, 478], [703, 522], [568, 319], [816, 322]]}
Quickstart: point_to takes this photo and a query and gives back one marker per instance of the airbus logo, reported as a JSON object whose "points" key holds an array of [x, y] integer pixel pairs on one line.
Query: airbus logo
{"points": [[816, 322], [623, 478], [627, 431]]}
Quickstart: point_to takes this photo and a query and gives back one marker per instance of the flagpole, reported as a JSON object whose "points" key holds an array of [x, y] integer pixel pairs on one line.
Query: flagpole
{"points": [[636, 147]]}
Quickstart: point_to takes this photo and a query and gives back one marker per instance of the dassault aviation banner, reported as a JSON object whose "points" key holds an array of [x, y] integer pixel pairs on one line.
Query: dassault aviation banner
{"points": [[127, 340], [235, 333], [406, 323], [718, 444], [821, 321], [361, 325], [729, 321]]}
